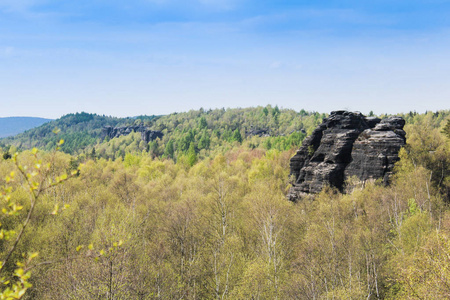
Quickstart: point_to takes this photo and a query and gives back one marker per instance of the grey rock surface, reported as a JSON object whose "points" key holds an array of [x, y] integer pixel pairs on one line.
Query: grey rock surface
{"points": [[346, 144], [147, 135]]}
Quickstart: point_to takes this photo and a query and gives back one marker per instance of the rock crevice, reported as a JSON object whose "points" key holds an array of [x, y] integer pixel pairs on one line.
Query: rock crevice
{"points": [[346, 144]]}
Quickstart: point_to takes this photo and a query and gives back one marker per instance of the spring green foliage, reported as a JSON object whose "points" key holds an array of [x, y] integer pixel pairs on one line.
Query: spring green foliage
{"points": [[35, 180], [166, 223], [428, 146], [236, 137], [212, 132], [79, 130], [446, 129], [217, 131], [191, 155]]}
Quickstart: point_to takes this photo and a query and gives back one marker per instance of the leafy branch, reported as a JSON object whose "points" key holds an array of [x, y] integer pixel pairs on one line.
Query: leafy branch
{"points": [[36, 180]]}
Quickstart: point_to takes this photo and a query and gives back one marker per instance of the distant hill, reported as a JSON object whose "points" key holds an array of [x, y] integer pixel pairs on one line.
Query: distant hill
{"points": [[79, 130], [14, 125], [203, 131]]}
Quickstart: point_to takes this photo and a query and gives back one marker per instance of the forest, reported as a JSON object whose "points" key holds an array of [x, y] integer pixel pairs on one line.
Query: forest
{"points": [[202, 213]]}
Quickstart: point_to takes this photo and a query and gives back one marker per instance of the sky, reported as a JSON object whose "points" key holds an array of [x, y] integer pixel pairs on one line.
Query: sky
{"points": [[134, 57]]}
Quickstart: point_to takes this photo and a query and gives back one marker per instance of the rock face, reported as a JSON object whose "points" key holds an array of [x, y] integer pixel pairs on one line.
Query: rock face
{"points": [[147, 135], [346, 144], [258, 132]]}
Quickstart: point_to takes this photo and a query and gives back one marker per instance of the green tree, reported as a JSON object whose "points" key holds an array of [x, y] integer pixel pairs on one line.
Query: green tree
{"points": [[93, 154], [202, 124], [192, 155], [204, 141], [35, 181], [169, 151], [446, 129], [236, 137], [275, 111]]}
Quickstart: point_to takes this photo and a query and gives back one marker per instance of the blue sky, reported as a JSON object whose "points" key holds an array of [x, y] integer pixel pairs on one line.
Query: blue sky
{"points": [[134, 57]]}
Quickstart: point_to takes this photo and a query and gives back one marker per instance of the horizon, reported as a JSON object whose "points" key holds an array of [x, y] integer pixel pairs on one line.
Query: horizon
{"points": [[178, 112], [163, 56]]}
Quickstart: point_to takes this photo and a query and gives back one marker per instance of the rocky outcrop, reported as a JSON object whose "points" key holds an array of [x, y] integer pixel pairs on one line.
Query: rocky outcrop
{"points": [[147, 135], [346, 144], [258, 132]]}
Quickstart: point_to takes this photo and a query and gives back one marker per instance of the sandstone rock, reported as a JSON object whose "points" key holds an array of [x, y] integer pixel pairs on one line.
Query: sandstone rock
{"points": [[346, 144], [258, 132], [147, 135]]}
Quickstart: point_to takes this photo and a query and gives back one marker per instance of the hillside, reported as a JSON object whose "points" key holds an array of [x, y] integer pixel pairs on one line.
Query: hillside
{"points": [[215, 222], [207, 130], [10, 126], [79, 130], [203, 133]]}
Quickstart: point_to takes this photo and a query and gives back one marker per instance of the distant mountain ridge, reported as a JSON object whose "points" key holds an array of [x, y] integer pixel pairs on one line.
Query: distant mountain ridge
{"points": [[10, 126], [79, 130], [201, 131]]}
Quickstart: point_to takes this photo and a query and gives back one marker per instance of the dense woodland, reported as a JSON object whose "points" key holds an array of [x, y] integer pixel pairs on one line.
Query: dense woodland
{"points": [[211, 130], [202, 214], [79, 130]]}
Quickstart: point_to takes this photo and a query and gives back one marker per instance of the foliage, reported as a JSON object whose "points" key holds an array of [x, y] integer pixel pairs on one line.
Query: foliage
{"points": [[181, 218], [34, 182], [446, 129], [79, 130], [216, 131]]}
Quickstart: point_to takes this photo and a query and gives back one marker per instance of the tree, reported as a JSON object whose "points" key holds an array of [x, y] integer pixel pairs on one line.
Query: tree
{"points": [[204, 141], [223, 242], [236, 137], [275, 111], [169, 151], [446, 129], [36, 181], [202, 123], [93, 154], [192, 155]]}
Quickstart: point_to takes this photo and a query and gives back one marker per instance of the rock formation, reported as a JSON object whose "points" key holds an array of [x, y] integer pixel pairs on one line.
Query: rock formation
{"points": [[346, 144], [147, 135], [258, 132]]}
